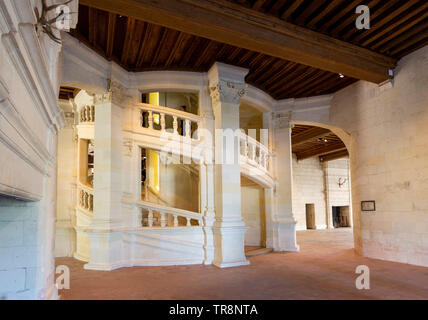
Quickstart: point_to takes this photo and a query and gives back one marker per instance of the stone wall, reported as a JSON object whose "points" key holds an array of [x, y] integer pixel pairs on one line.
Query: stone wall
{"points": [[389, 160], [308, 187], [29, 120], [317, 183]]}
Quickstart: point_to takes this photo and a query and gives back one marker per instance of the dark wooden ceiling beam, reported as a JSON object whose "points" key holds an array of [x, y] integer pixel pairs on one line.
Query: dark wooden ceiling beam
{"points": [[349, 21], [332, 4], [311, 8], [397, 38], [422, 36], [289, 11], [111, 28], [128, 39], [349, 8], [275, 9], [258, 4], [380, 24], [334, 156], [236, 25], [402, 24], [92, 21], [311, 134]]}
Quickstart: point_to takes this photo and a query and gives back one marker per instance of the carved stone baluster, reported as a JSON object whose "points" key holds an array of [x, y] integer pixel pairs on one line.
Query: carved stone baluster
{"points": [[175, 125], [187, 128], [162, 121], [93, 113], [150, 218], [163, 219], [246, 148], [188, 222], [87, 201], [91, 202], [150, 119], [175, 221]]}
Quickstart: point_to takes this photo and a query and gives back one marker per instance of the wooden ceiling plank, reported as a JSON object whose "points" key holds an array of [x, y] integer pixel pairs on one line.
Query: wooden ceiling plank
{"points": [[300, 75], [110, 34], [174, 50], [348, 10], [323, 80], [258, 4], [309, 135], [339, 146], [130, 23], [379, 26], [332, 4], [309, 80], [407, 50], [142, 49], [92, 25], [159, 47], [399, 38], [334, 156], [277, 7], [230, 23], [402, 25], [349, 22], [281, 75], [410, 42], [308, 11], [289, 11]]}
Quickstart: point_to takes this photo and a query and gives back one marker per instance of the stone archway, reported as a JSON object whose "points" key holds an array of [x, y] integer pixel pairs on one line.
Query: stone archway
{"points": [[352, 215]]}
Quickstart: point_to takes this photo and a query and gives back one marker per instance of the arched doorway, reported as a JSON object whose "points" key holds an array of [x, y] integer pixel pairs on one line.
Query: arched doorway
{"points": [[322, 201]]}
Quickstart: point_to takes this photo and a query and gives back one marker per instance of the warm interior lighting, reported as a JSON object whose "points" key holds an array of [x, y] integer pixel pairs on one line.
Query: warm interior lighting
{"points": [[154, 98], [156, 118], [341, 75]]}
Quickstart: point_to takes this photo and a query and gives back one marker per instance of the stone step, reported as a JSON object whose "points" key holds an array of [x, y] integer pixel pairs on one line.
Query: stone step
{"points": [[258, 252]]}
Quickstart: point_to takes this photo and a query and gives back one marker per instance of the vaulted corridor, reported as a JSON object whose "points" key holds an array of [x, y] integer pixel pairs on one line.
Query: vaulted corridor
{"points": [[323, 269]]}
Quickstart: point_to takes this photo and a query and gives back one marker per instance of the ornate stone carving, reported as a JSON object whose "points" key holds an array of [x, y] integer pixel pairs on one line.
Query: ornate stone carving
{"points": [[227, 91], [116, 94], [102, 98], [128, 144]]}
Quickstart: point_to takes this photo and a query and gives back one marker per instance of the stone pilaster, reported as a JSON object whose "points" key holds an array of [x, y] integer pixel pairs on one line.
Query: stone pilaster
{"points": [[283, 222], [227, 86], [105, 242]]}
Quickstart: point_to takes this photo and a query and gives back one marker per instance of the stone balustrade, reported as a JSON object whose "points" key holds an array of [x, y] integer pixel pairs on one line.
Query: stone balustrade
{"points": [[168, 120], [87, 114], [159, 216], [86, 198], [254, 153]]}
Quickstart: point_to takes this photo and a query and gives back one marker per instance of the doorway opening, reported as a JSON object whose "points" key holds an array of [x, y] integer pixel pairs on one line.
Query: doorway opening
{"points": [[340, 217], [310, 216]]}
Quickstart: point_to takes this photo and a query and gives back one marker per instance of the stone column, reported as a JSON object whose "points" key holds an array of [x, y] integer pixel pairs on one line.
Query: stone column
{"points": [[269, 193], [283, 222], [105, 241], [328, 209], [226, 87]]}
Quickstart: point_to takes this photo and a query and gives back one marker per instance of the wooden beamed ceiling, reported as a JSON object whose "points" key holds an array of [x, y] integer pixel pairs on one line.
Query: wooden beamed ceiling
{"points": [[66, 93], [144, 35], [310, 141]]}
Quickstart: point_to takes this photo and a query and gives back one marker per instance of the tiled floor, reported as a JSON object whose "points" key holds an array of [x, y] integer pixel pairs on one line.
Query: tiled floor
{"points": [[323, 269]]}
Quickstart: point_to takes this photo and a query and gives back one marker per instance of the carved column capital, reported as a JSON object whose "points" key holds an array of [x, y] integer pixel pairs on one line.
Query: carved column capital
{"points": [[116, 94], [227, 91]]}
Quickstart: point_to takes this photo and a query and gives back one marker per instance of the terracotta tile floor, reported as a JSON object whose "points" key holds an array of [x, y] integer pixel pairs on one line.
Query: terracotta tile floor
{"points": [[323, 269]]}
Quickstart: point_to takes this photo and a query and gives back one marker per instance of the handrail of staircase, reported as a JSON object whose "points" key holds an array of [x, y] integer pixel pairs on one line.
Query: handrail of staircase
{"points": [[164, 211]]}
